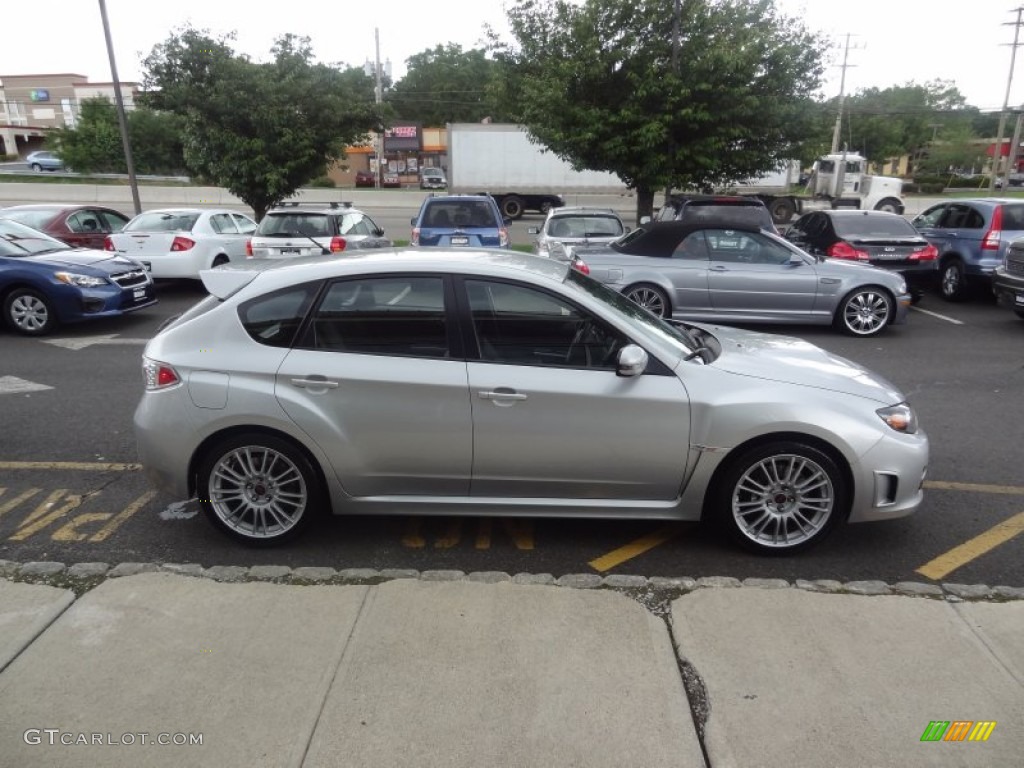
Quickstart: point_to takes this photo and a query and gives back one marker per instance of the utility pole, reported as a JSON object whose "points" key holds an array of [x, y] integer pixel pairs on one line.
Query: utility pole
{"points": [[842, 95], [676, 13], [121, 119], [997, 153], [380, 98]]}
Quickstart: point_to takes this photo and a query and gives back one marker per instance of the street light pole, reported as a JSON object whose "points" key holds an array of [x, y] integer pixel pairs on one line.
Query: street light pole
{"points": [[121, 120], [997, 154]]}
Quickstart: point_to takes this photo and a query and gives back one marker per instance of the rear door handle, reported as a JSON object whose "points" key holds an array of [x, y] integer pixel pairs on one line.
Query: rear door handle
{"points": [[718, 269], [501, 395], [315, 382]]}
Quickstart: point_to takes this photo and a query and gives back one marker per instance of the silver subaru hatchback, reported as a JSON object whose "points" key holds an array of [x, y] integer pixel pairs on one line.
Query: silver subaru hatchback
{"points": [[496, 383]]}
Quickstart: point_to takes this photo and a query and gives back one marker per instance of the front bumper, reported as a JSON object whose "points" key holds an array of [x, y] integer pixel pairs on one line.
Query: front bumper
{"points": [[1008, 288], [890, 478]]}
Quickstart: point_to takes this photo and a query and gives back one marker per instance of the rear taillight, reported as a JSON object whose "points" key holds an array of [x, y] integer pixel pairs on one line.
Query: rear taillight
{"points": [[248, 248], [415, 236], [928, 253], [338, 244], [158, 375], [991, 240], [580, 265], [182, 243], [843, 250], [502, 237], [108, 244]]}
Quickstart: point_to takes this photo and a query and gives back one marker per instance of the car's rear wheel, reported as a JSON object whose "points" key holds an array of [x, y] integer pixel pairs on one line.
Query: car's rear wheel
{"points": [[952, 284], [258, 489], [650, 297], [37, 167], [512, 207], [865, 311], [29, 312], [781, 497]]}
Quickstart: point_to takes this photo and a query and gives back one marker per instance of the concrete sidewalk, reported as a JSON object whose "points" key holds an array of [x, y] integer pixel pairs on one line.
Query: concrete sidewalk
{"points": [[441, 669]]}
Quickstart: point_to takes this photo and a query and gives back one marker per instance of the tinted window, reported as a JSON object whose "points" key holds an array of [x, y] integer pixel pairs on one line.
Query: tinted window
{"points": [[384, 315], [162, 222], [84, 222], [873, 226], [460, 213], [295, 225], [1013, 217], [273, 319], [524, 326], [692, 248], [584, 226], [745, 248], [755, 215], [112, 221]]}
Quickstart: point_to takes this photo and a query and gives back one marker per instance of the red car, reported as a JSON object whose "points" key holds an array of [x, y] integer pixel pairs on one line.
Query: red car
{"points": [[365, 179], [80, 226]]}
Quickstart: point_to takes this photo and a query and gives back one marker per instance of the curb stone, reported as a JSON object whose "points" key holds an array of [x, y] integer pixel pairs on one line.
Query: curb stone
{"points": [[90, 574]]}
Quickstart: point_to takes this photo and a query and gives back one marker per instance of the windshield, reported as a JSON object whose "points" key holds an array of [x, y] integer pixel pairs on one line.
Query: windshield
{"points": [[873, 226], [36, 218], [633, 313], [18, 240], [162, 222], [584, 226]]}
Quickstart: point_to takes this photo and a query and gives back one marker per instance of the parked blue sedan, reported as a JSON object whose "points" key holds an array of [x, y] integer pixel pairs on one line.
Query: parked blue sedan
{"points": [[44, 282]]}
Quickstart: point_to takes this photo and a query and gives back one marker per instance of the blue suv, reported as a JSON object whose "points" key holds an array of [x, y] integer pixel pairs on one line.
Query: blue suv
{"points": [[459, 221], [971, 237]]}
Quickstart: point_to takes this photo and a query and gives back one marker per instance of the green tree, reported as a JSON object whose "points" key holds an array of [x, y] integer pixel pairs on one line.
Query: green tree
{"points": [[95, 145], [261, 130], [603, 86], [445, 84]]}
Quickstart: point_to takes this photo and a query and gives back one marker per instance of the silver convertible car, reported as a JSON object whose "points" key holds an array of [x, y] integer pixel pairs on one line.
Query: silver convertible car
{"points": [[495, 383], [737, 273]]}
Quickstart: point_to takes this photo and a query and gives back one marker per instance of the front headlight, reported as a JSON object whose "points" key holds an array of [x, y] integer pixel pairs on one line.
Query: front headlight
{"points": [[899, 417], [83, 281], [903, 286]]}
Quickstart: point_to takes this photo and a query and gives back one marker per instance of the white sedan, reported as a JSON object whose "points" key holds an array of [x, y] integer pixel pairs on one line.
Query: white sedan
{"points": [[179, 242]]}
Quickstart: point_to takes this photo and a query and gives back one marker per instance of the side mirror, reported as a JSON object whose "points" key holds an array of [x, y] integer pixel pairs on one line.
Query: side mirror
{"points": [[412, 221], [379, 232], [795, 261], [632, 361], [625, 230], [533, 231], [645, 219]]}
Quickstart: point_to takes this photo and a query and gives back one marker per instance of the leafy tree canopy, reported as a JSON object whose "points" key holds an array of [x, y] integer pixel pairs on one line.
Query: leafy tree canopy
{"points": [[261, 130], [604, 87], [445, 84], [94, 145]]}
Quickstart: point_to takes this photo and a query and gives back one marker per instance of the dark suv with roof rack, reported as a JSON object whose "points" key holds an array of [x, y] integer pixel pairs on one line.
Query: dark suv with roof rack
{"points": [[309, 229], [742, 210]]}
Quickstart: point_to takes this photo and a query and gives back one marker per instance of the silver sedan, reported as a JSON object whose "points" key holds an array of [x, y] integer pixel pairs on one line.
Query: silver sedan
{"points": [[493, 383], [733, 273]]}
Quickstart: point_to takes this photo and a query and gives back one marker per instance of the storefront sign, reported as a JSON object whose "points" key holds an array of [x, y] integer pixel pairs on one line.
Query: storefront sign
{"points": [[405, 137]]}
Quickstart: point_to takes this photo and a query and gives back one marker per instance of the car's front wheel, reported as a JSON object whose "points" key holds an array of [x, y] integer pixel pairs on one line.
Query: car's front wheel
{"points": [[781, 497], [29, 312], [258, 489], [37, 167], [865, 312], [651, 298]]}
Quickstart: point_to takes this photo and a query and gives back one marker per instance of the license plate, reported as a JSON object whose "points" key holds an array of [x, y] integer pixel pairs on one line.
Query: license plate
{"points": [[139, 293], [290, 251], [1019, 298], [460, 241]]}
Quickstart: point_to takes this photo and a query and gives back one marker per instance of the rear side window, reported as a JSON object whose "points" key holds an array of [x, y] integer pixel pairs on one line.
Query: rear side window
{"points": [[275, 318], [401, 315]]}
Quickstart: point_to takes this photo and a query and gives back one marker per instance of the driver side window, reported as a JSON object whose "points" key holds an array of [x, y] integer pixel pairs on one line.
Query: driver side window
{"points": [[520, 325]]}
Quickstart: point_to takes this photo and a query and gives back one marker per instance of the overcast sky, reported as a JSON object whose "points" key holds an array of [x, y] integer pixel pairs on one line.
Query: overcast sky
{"points": [[892, 41]]}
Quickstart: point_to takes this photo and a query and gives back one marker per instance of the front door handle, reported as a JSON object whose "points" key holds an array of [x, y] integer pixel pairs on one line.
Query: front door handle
{"points": [[315, 382], [501, 393], [718, 269]]}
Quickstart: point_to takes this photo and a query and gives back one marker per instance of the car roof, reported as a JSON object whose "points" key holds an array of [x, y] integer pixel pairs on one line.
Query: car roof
{"points": [[52, 207], [723, 199], [851, 213], [225, 280], [430, 198], [324, 208], [576, 210]]}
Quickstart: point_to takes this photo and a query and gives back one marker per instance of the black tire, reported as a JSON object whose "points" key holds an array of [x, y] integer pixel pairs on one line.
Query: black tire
{"points": [[29, 312], [37, 167], [865, 311], [952, 281], [782, 210], [270, 485], [786, 490], [889, 205], [512, 207], [650, 297], [1019, 313]]}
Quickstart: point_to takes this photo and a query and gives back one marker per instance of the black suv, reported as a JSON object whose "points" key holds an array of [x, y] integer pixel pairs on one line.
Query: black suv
{"points": [[742, 210]]}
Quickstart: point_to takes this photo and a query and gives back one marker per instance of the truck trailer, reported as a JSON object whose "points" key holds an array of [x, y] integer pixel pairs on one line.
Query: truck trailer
{"points": [[501, 160]]}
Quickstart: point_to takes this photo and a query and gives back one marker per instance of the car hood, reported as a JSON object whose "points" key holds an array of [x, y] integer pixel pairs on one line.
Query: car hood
{"points": [[790, 360], [107, 263]]}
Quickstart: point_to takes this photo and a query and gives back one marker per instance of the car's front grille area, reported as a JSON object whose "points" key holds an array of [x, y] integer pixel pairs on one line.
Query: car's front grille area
{"points": [[129, 279]]}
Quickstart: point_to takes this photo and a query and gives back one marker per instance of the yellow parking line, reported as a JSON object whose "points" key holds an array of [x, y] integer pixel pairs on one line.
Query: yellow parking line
{"points": [[635, 548], [938, 485], [958, 556], [105, 466]]}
